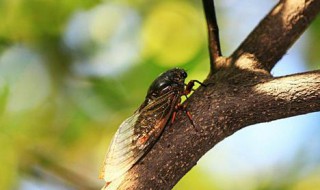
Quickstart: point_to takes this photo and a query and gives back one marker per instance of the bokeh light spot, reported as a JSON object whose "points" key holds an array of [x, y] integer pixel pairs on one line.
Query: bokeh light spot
{"points": [[104, 40], [172, 33], [22, 70]]}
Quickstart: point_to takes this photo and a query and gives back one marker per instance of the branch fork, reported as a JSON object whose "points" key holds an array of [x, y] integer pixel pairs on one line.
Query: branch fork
{"points": [[244, 93]]}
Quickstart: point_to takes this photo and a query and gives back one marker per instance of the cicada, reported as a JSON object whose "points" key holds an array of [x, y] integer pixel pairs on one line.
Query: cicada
{"points": [[138, 133]]}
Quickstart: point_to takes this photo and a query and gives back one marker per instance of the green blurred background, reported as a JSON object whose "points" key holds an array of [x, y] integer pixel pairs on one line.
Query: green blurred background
{"points": [[71, 71]]}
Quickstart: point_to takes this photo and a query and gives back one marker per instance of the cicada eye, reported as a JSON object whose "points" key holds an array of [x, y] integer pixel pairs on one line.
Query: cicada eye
{"points": [[184, 74]]}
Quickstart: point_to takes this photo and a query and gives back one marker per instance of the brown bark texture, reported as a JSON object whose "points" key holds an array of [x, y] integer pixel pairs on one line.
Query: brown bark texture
{"points": [[240, 92]]}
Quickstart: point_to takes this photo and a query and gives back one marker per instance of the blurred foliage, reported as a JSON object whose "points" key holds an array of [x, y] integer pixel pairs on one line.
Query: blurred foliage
{"points": [[36, 20], [310, 182], [57, 115], [157, 33], [196, 179], [48, 109], [312, 51]]}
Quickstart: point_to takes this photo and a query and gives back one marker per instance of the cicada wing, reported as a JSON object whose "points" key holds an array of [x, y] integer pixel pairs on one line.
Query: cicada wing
{"points": [[136, 135], [121, 154]]}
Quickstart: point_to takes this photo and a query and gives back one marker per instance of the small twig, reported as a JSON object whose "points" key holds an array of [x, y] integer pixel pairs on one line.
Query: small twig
{"points": [[213, 32]]}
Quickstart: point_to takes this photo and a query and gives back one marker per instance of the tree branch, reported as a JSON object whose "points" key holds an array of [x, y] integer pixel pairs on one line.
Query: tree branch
{"points": [[238, 94], [275, 34], [219, 111], [213, 32]]}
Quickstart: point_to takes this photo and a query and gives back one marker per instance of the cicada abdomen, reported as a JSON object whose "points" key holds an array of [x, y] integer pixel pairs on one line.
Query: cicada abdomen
{"points": [[137, 134]]}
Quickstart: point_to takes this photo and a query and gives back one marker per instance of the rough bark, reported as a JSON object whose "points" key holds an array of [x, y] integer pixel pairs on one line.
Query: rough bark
{"points": [[274, 35], [241, 92]]}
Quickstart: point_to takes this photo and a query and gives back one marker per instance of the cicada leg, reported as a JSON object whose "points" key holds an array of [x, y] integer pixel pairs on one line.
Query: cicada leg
{"points": [[190, 85], [188, 89], [183, 107]]}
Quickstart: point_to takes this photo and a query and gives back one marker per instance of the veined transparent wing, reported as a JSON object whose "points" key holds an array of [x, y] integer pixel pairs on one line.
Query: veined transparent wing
{"points": [[118, 149], [136, 135]]}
